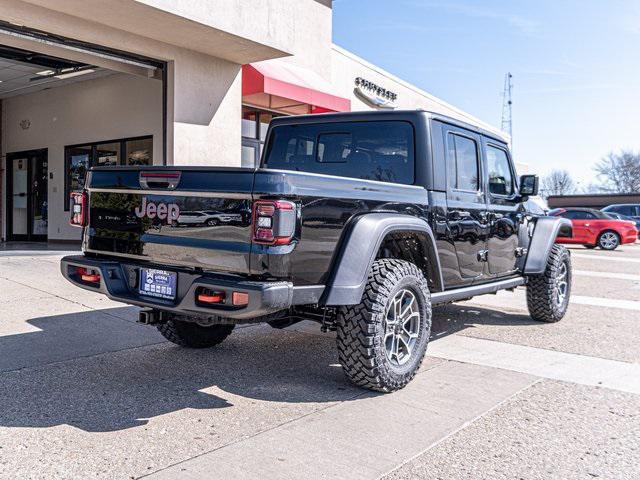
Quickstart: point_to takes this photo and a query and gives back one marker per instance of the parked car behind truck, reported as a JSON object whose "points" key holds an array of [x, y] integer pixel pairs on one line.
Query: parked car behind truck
{"points": [[359, 221], [593, 228], [619, 216], [631, 210]]}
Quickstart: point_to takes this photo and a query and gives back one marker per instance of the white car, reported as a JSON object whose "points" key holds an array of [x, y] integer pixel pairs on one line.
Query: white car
{"points": [[207, 218]]}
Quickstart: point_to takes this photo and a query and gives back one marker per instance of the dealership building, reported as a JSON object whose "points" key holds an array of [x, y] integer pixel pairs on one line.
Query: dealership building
{"points": [[162, 82]]}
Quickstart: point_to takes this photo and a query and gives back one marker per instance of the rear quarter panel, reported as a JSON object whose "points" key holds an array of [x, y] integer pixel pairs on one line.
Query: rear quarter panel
{"points": [[327, 207]]}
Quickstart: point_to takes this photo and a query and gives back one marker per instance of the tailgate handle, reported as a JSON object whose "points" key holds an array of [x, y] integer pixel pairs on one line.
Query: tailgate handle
{"points": [[153, 180]]}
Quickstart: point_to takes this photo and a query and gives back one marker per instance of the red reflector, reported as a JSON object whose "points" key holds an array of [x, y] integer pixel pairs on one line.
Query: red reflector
{"points": [[211, 297], [88, 276], [240, 298], [160, 174]]}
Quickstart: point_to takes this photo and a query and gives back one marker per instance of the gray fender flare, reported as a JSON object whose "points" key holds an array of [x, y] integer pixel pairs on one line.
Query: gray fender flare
{"points": [[358, 250], [545, 232]]}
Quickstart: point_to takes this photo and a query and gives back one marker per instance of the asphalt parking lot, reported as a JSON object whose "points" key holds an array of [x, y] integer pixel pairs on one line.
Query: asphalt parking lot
{"points": [[86, 392]]}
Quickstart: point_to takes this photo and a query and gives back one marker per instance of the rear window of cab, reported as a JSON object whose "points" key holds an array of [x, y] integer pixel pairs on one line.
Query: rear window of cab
{"points": [[382, 151]]}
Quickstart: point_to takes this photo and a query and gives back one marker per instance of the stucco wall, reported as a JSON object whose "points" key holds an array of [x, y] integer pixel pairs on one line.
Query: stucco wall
{"points": [[204, 98], [107, 108], [293, 26]]}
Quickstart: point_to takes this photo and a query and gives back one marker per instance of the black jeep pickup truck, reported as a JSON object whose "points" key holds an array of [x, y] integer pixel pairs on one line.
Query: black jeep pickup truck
{"points": [[359, 221]]}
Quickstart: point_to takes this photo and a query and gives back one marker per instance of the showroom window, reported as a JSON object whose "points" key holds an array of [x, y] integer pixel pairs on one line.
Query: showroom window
{"points": [[255, 123], [125, 151]]}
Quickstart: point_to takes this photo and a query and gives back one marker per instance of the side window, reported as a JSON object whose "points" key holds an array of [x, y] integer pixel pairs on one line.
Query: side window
{"points": [[463, 173], [628, 210], [500, 178]]}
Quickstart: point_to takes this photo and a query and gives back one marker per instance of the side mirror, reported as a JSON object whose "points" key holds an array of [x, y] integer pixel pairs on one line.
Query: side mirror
{"points": [[529, 185]]}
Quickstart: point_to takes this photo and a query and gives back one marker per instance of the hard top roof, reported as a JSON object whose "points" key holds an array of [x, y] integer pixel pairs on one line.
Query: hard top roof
{"points": [[371, 115]]}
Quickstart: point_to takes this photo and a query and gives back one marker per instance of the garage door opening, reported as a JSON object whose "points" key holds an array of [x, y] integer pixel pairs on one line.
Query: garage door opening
{"points": [[60, 117]]}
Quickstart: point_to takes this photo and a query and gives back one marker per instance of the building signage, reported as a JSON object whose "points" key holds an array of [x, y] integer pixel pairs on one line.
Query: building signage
{"points": [[374, 94]]}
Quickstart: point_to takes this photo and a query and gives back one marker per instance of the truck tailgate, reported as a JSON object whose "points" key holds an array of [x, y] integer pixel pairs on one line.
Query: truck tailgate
{"points": [[198, 217]]}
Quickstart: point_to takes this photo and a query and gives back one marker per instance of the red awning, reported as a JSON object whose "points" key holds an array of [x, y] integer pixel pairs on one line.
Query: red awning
{"points": [[280, 86]]}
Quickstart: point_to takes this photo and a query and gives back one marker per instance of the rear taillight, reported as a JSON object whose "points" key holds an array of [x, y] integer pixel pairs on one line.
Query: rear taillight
{"points": [[274, 222], [78, 209]]}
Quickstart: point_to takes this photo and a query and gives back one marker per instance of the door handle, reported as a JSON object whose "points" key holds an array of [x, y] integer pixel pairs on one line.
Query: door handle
{"points": [[586, 224]]}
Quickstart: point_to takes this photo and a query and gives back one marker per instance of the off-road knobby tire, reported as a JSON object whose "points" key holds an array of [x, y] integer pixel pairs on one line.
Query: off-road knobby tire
{"points": [[191, 335], [541, 288], [361, 328]]}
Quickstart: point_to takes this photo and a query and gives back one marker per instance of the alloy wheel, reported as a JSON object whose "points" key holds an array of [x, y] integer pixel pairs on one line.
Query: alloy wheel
{"points": [[608, 240], [402, 327], [562, 284]]}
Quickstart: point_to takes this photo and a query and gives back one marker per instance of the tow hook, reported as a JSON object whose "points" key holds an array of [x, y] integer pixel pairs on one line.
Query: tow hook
{"points": [[149, 316]]}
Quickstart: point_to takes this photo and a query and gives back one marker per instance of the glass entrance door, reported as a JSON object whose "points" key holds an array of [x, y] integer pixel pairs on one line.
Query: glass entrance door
{"points": [[27, 205]]}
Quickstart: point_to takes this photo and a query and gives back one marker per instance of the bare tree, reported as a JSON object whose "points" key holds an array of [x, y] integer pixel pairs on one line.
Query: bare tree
{"points": [[620, 172], [558, 182], [592, 187]]}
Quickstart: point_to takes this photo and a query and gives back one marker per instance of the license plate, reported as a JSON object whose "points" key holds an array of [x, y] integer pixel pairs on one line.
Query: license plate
{"points": [[158, 283]]}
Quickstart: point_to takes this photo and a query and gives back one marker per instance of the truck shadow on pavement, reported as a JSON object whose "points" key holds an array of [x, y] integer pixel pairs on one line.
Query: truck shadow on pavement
{"points": [[73, 372], [98, 372], [452, 318]]}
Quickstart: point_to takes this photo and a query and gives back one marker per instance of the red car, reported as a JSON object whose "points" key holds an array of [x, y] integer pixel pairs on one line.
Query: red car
{"points": [[593, 228]]}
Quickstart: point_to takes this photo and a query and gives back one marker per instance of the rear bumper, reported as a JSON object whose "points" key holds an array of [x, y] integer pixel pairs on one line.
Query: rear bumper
{"points": [[119, 282]]}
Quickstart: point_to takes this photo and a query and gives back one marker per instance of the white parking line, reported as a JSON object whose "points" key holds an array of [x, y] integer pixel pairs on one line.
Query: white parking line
{"points": [[605, 302], [575, 300], [567, 367], [605, 258], [615, 276]]}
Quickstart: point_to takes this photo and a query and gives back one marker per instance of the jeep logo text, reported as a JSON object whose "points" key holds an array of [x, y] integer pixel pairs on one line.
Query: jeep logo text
{"points": [[163, 211]]}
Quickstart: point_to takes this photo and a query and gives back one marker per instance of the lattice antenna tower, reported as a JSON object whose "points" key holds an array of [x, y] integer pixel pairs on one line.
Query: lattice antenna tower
{"points": [[507, 106]]}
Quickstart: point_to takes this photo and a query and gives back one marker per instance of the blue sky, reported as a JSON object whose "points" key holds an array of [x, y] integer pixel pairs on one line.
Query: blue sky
{"points": [[575, 66]]}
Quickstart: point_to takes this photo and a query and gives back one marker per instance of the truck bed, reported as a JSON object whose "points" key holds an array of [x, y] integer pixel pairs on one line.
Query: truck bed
{"points": [[121, 225]]}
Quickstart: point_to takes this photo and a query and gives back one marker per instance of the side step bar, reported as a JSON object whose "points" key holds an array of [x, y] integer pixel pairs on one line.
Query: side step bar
{"points": [[468, 292]]}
